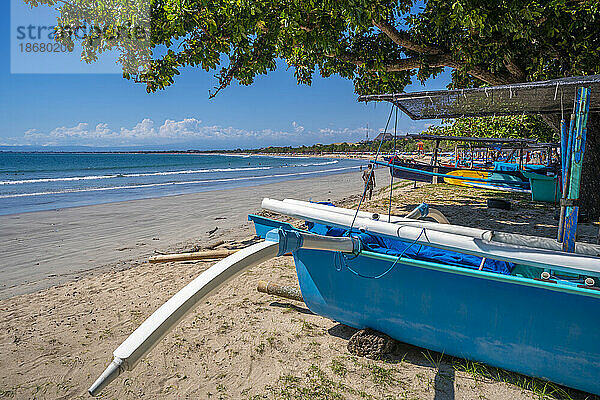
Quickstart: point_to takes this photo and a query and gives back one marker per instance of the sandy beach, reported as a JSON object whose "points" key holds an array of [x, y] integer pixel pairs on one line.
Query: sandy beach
{"points": [[42, 249], [76, 283]]}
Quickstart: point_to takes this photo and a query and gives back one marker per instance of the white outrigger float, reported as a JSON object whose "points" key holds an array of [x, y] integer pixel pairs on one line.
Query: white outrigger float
{"points": [[516, 302]]}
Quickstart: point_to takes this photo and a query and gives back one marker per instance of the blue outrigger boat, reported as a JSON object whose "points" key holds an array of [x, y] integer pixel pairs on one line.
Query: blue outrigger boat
{"points": [[501, 164], [498, 312], [523, 303]]}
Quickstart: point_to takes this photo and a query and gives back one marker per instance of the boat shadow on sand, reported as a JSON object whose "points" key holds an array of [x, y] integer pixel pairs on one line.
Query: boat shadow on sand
{"points": [[447, 367], [290, 306]]}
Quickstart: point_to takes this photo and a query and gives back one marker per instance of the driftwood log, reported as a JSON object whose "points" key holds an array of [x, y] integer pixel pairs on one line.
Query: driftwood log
{"points": [[198, 255], [287, 292]]}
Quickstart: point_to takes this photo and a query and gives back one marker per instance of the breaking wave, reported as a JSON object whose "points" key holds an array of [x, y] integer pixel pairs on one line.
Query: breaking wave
{"points": [[149, 185], [110, 176]]}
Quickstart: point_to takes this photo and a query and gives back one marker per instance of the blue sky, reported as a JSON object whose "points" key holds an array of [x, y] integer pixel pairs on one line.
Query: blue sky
{"points": [[104, 110]]}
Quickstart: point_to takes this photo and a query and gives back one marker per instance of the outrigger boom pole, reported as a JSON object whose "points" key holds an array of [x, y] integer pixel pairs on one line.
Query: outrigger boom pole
{"points": [[163, 320], [485, 234]]}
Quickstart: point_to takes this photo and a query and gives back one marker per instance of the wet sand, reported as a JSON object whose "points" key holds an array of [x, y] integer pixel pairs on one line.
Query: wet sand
{"points": [[46, 248]]}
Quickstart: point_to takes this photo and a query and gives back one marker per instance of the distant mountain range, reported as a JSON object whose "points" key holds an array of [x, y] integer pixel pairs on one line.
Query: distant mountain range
{"points": [[86, 149]]}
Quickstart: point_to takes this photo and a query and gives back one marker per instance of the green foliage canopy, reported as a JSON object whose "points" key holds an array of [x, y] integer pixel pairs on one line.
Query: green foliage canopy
{"points": [[513, 126], [378, 44]]}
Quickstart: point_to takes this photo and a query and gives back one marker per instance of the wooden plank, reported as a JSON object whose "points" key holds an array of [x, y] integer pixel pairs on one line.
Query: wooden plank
{"points": [[198, 255], [566, 170], [579, 137]]}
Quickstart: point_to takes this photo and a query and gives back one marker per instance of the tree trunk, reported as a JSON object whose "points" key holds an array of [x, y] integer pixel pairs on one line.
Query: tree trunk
{"points": [[590, 174]]}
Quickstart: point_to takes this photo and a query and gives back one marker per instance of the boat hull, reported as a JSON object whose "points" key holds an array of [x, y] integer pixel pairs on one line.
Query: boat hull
{"points": [[453, 177], [498, 180], [509, 322], [415, 176]]}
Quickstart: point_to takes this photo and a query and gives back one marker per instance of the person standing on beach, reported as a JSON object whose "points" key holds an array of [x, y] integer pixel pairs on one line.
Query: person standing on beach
{"points": [[369, 179]]}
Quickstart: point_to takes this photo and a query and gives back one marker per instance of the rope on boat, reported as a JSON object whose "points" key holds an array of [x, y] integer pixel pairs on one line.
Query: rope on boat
{"points": [[342, 257], [392, 175], [376, 155]]}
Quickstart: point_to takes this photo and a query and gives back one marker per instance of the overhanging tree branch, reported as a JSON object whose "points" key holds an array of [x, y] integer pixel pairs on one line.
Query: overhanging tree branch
{"points": [[486, 76], [436, 57], [441, 60], [403, 39], [513, 68], [432, 61]]}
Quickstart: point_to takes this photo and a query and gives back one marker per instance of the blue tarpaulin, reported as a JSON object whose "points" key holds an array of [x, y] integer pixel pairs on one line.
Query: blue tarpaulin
{"points": [[396, 247]]}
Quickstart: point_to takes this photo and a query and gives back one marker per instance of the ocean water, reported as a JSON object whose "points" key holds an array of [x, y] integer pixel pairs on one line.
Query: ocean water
{"points": [[47, 181]]}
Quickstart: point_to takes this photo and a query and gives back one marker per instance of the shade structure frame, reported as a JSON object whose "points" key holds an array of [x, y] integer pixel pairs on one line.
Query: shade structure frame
{"points": [[543, 97]]}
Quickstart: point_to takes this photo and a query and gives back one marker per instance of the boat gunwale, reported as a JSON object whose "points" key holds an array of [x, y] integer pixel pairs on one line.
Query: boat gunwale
{"points": [[532, 282], [512, 279]]}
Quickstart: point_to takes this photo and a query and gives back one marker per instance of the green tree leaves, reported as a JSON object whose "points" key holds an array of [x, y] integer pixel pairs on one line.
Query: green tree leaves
{"points": [[378, 44], [513, 126]]}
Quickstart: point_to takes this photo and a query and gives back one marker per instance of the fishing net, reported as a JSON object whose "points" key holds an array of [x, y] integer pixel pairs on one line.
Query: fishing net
{"points": [[546, 97]]}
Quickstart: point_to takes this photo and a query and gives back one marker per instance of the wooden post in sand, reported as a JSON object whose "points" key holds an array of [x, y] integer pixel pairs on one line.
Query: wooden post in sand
{"points": [[434, 161], [287, 292]]}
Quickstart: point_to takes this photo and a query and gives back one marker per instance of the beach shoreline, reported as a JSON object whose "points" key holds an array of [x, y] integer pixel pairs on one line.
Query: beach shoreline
{"points": [[343, 155], [30, 183], [46, 248]]}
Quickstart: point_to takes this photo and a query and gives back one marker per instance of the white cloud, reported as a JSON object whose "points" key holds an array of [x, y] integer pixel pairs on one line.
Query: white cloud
{"points": [[144, 129], [189, 132], [297, 128]]}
